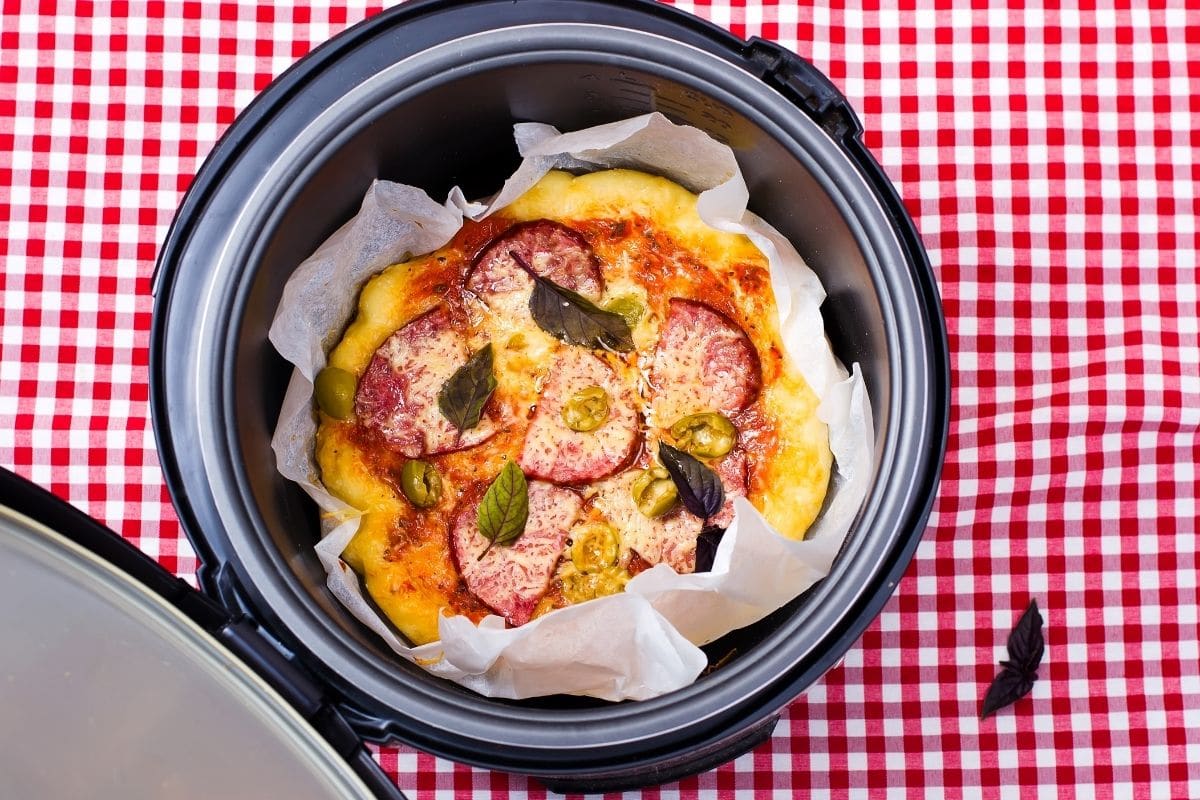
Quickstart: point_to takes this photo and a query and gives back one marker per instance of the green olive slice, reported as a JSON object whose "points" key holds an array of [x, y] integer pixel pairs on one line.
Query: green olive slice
{"points": [[334, 389], [629, 307], [707, 435], [421, 483], [586, 410], [594, 546], [659, 498]]}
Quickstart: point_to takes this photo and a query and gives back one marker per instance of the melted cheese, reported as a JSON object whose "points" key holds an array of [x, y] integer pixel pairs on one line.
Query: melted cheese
{"points": [[670, 538]]}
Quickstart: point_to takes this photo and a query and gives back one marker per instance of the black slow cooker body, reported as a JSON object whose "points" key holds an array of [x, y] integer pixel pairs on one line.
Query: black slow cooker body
{"points": [[426, 94]]}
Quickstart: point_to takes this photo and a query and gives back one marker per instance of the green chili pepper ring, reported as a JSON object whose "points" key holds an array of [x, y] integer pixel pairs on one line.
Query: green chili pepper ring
{"points": [[707, 435], [586, 410]]}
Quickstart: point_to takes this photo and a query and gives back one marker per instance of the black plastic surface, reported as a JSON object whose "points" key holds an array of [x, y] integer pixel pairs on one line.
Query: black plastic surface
{"points": [[805, 85], [217, 384], [666, 770]]}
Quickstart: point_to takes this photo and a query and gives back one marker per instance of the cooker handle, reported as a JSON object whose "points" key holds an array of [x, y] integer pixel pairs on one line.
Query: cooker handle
{"points": [[811, 91], [806, 86]]}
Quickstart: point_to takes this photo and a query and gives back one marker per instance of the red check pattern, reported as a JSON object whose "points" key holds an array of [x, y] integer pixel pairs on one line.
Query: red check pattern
{"points": [[1052, 162]]}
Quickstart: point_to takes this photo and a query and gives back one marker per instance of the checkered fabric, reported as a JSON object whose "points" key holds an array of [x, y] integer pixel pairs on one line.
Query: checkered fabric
{"points": [[1051, 160]]}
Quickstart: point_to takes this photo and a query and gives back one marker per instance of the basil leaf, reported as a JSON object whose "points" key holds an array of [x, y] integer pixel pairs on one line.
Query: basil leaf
{"points": [[504, 509], [462, 397], [1026, 646], [1007, 688], [706, 547], [571, 317], [700, 489]]}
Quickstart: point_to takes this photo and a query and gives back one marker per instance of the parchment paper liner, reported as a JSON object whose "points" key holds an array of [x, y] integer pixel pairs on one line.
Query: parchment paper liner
{"points": [[642, 643]]}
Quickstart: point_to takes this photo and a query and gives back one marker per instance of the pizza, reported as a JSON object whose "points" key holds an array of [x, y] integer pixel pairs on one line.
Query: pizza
{"points": [[569, 392]]}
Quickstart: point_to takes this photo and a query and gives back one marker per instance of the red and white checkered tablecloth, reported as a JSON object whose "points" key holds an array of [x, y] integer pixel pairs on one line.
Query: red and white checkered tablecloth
{"points": [[1051, 159]]}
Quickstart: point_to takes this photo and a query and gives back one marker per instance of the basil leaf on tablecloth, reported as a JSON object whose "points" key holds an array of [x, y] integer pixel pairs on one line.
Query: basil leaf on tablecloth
{"points": [[706, 547], [700, 489], [1007, 688], [571, 317], [463, 396], [504, 509], [1026, 644], [1026, 647]]}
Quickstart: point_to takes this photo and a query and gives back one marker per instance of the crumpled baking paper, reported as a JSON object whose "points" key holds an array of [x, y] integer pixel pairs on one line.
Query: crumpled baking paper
{"points": [[644, 642]]}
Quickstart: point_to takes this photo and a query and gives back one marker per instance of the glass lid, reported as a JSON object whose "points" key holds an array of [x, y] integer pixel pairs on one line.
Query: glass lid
{"points": [[108, 691]]}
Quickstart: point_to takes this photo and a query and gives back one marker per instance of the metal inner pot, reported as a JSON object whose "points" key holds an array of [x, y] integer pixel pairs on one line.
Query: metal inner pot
{"points": [[380, 101]]}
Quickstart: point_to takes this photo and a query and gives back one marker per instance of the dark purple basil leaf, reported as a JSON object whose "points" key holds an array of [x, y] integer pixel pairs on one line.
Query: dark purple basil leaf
{"points": [[1026, 644], [706, 547], [571, 317], [1007, 688], [700, 489]]}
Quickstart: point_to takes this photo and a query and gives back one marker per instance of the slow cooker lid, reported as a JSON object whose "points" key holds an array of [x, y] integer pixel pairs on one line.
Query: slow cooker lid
{"points": [[99, 669]]}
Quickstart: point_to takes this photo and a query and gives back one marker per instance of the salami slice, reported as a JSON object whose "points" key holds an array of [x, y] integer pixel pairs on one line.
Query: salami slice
{"points": [[703, 362], [551, 250], [553, 451], [511, 579], [398, 394]]}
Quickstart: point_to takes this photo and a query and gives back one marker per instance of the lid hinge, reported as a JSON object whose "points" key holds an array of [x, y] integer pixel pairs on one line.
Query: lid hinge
{"points": [[252, 645], [199, 608], [271, 661], [806, 86]]}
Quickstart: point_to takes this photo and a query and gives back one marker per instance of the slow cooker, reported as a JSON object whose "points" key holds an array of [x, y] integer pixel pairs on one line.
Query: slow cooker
{"points": [[426, 94]]}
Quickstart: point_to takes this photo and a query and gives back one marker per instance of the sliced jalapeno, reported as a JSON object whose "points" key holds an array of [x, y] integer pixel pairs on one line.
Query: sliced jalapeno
{"points": [[629, 307], [645, 478], [580, 586], [586, 410], [594, 546], [654, 492], [421, 483], [334, 389], [707, 435]]}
